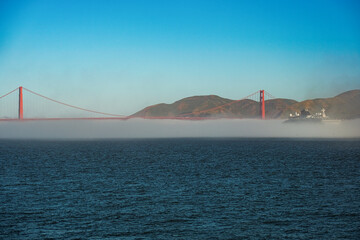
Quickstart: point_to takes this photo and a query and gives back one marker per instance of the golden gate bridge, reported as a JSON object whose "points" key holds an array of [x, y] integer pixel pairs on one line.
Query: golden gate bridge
{"points": [[13, 104]]}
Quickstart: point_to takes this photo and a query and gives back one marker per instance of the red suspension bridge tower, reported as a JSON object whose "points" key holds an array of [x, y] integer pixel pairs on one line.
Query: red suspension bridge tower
{"points": [[21, 106], [262, 104]]}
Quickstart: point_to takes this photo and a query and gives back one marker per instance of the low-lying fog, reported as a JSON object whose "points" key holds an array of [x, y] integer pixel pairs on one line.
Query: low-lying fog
{"points": [[139, 128]]}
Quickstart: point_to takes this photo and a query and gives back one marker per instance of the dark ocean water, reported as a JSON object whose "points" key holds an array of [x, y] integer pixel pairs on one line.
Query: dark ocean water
{"points": [[180, 189]]}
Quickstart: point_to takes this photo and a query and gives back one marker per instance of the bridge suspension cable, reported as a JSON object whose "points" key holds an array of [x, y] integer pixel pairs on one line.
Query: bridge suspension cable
{"points": [[72, 106], [269, 95], [9, 93]]}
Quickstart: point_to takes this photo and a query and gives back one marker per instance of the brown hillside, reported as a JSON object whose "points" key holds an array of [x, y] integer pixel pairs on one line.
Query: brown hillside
{"points": [[275, 108], [243, 109], [183, 106], [342, 106]]}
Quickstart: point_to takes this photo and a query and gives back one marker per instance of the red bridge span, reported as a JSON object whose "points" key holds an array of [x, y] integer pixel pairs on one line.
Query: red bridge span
{"points": [[13, 104]]}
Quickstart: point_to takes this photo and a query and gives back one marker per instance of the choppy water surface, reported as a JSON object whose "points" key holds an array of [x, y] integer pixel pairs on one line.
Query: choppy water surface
{"points": [[180, 188]]}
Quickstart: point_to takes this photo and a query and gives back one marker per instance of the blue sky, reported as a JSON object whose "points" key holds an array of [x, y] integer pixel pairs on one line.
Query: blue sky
{"points": [[121, 56]]}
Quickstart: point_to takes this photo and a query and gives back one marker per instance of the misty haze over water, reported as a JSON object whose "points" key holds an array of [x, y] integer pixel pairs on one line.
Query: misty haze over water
{"points": [[140, 128]]}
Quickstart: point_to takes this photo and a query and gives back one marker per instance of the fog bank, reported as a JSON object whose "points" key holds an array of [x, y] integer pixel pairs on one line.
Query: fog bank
{"points": [[139, 128]]}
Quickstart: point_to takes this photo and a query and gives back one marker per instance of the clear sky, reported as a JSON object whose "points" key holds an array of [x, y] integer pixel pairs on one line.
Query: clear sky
{"points": [[120, 56]]}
